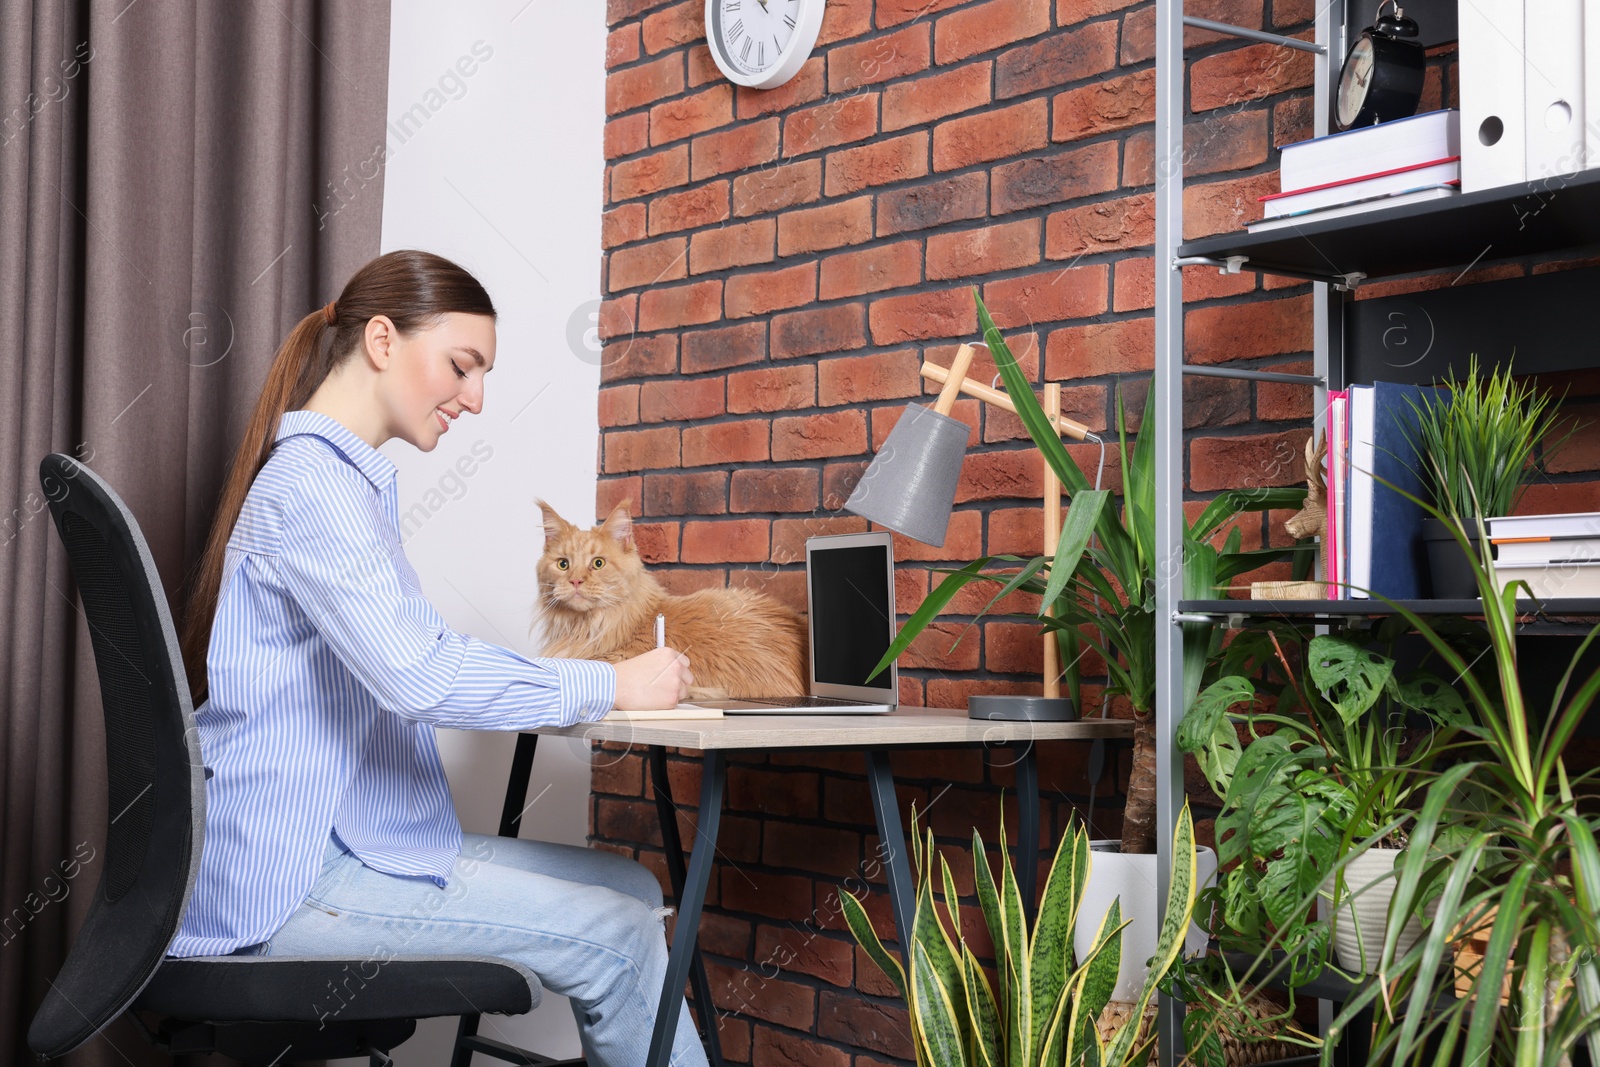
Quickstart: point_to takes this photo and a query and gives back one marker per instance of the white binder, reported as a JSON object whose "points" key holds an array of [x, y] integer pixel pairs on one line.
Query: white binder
{"points": [[1591, 88], [1493, 112], [1553, 89]]}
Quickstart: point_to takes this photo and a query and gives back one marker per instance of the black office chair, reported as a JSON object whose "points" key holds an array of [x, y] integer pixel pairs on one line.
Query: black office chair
{"points": [[257, 1009]]}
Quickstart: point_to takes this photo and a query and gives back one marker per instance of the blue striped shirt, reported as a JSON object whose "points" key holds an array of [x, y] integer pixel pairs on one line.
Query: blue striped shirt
{"points": [[328, 670]]}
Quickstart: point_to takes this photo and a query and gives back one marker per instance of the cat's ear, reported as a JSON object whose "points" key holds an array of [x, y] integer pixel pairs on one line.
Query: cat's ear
{"points": [[554, 525], [619, 525]]}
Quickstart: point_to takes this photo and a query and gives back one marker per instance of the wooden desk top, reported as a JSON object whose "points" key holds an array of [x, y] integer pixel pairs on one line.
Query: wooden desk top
{"points": [[904, 726]]}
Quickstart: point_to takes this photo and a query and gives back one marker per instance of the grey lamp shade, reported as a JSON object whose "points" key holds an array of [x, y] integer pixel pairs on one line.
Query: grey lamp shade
{"points": [[911, 485]]}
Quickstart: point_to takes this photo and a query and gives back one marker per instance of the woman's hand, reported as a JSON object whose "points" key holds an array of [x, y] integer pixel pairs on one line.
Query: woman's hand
{"points": [[658, 679]]}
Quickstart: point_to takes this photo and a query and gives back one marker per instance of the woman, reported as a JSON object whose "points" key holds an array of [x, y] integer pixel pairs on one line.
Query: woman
{"points": [[329, 823]]}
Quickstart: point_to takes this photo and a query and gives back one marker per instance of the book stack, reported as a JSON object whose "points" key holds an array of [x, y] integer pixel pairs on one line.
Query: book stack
{"points": [[1557, 555], [1374, 544], [1393, 163]]}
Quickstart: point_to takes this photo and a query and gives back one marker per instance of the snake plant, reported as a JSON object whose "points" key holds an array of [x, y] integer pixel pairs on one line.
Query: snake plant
{"points": [[1042, 1010]]}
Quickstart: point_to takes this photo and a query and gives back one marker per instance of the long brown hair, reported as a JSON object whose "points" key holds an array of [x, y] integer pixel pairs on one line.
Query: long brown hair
{"points": [[413, 289]]}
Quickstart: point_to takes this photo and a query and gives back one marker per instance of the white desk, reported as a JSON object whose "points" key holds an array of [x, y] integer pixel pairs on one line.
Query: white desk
{"points": [[873, 735]]}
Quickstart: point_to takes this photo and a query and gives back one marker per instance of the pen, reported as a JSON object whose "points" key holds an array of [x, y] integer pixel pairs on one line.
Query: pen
{"points": [[661, 631]]}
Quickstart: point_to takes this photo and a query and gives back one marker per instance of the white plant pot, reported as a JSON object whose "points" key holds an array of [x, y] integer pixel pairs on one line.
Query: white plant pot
{"points": [[1132, 879], [1362, 918]]}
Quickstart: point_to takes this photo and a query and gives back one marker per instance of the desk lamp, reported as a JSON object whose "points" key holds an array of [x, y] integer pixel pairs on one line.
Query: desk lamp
{"points": [[910, 487]]}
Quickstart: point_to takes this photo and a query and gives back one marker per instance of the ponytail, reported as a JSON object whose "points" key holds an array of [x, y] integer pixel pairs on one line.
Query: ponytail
{"points": [[413, 289]]}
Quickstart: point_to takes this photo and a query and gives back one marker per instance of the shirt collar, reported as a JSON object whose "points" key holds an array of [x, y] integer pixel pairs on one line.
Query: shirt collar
{"points": [[378, 468]]}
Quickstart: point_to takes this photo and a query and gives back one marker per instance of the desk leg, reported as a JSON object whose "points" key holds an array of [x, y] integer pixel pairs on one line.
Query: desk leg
{"points": [[892, 836], [690, 900], [517, 785], [1028, 830], [673, 847]]}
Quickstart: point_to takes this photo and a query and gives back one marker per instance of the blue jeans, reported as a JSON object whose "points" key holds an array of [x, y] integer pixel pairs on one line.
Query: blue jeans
{"points": [[589, 923]]}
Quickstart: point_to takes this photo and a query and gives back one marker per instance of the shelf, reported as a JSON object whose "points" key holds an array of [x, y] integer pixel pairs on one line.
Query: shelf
{"points": [[1314, 609], [1559, 213]]}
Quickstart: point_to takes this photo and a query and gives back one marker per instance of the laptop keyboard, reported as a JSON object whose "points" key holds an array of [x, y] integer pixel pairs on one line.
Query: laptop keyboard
{"points": [[806, 702]]}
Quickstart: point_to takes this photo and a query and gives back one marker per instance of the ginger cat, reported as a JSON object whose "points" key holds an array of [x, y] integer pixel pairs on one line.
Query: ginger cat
{"points": [[600, 603]]}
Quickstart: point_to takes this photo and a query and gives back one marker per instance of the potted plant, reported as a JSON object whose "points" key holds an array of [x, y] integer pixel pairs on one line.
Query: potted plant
{"points": [[1318, 799], [1507, 839], [1100, 591], [1474, 446], [1227, 1023], [1043, 1008]]}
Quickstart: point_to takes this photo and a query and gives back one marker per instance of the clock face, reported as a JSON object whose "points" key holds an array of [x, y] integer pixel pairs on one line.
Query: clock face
{"points": [[755, 31], [1355, 80], [762, 43]]}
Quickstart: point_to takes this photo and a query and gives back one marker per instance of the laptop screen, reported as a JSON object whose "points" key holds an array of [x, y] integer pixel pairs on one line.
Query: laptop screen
{"points": [[852, 613]]}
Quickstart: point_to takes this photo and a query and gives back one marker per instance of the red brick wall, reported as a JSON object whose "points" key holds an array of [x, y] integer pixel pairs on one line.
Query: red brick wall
{"points": [[777, 265]]}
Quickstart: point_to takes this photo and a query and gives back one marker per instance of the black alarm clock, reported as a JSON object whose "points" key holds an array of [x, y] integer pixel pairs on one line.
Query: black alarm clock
{"points": [[1382, 74]]}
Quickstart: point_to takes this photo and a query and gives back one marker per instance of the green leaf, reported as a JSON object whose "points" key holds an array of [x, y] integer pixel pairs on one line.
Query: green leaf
{"points": [[994, 918], [928, 930], [1234, 501], [1033, 418], [1051, 946], [1020, 1022], [1139, 484], [985, 1016], [1503, 938], [855, 916], [1349, 676], [1426, 693], [937, 1017], [1098, 979], [1305, 824], [1586, 881], [1208, 733], [930, 607], [1175, 920], [1076, 530], [1233, 564], [1022, 578]]}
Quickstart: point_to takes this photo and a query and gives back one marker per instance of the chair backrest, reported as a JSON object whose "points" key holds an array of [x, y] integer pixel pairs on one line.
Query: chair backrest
{"points": [[156, 810]]}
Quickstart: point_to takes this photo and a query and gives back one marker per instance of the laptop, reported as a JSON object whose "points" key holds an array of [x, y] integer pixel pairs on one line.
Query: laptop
{"points": [[850, 612]]}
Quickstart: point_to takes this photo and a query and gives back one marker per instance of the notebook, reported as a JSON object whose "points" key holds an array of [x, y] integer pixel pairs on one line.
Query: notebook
{"points": [[850, 613]]}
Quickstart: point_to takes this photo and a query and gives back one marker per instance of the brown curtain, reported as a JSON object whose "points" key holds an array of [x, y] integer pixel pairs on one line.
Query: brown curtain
{"points": [[179, 183]]}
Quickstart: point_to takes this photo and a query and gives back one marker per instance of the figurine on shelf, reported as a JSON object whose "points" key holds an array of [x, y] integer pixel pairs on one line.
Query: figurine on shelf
{"points": [[1310, 521]]}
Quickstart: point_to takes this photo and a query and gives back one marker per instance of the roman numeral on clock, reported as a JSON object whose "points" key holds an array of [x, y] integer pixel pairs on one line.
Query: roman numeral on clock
{"points": [[788, 20], [744, 53], [736, 29]]}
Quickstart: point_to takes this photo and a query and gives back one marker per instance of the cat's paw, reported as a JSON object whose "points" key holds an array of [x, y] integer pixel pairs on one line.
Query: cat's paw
{"points": [[707, 692]]}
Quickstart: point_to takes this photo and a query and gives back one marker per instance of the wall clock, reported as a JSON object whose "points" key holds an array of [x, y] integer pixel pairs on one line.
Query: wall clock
{"points": [[762, 43]]}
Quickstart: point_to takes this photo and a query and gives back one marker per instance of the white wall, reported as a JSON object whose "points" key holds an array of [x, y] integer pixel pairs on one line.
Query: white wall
{"points": [[500, 169]]}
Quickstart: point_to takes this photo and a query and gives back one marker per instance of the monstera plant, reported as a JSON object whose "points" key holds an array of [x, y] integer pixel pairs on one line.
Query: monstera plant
{"points": [[1326, 776], [1043, 1008]]}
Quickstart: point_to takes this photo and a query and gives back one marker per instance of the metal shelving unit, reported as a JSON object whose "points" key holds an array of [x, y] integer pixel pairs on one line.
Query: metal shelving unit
{"points": [[1327, 48], [1336, 255]]}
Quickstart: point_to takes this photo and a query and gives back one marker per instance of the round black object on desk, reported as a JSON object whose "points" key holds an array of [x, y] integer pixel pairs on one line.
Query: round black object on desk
{"points": [[1022, 709]]}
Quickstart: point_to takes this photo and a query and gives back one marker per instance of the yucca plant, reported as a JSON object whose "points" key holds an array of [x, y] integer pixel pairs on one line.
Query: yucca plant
{"points": [[1101, 581], [1044, 1012]]}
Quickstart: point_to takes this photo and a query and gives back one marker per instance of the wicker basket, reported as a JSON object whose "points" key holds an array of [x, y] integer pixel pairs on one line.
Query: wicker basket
{"points": [[1238, 1051], [1288, 590]]}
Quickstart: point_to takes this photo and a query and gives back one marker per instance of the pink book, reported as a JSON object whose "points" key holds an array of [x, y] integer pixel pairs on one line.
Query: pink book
{"points": [[1333, 549]]}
